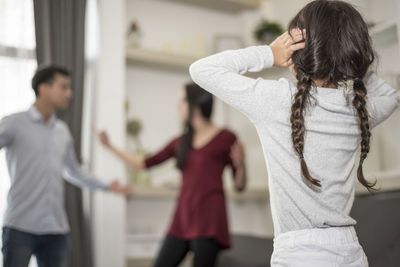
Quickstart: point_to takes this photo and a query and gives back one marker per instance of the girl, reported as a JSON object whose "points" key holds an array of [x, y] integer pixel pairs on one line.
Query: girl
{"points": [[202, 152], [311, 131]]}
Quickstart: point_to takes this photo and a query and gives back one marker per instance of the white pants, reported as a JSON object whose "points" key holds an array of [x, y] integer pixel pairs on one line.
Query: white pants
{"points": [[319, 247]]}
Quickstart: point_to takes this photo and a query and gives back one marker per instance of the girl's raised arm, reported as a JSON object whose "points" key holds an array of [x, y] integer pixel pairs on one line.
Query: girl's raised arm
{"points": [[221, 75]]}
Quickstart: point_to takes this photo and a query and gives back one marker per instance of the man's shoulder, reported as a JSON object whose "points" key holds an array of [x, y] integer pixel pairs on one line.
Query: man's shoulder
{"points": [[15, 117], [62, 125]]}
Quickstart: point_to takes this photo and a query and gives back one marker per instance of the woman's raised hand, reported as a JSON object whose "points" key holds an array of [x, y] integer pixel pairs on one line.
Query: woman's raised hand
{"points": [[237, 154], [103, 137]]}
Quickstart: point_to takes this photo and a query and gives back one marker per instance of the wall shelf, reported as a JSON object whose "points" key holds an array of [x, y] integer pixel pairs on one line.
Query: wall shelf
{"points": [[222, 5], [388, 180], [154, 58], [151, 192]]}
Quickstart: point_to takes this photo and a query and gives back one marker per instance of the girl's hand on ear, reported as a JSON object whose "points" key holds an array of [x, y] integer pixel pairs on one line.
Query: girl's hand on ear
{"points": [[284, 46]]}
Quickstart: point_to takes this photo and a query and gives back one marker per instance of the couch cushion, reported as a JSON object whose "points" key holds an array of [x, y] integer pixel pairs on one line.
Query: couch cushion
{"points": [[247, 251]]}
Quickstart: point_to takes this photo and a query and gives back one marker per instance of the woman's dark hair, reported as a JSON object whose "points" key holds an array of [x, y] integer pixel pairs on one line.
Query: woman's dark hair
{"points": [[45, 74], [196, 97], [337, 49]]}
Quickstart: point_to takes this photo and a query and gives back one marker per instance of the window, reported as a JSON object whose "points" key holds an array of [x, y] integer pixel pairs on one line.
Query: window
{"points": [[17, 65]]}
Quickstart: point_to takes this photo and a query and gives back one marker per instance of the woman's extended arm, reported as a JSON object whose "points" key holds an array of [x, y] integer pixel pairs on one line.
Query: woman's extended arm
{"points": [[139, 162], [134, 161]]}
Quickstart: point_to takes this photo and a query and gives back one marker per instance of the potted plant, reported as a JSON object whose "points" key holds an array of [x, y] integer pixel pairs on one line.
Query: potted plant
{"points": [[134, 34], [266, 31], [133, 129]]}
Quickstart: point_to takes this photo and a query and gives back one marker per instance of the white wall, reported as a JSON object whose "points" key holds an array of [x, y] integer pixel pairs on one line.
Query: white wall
{"points": [[167, 22], [109, 217], [153, 93], [153, 97], [283, 11], [171, 24]]}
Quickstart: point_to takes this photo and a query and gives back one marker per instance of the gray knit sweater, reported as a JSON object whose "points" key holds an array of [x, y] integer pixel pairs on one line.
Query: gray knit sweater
{"points": [[331, 141]]}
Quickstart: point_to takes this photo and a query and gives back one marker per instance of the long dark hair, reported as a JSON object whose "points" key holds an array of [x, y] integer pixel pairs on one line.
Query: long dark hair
{"points": [[337, 49], [196, 97]]}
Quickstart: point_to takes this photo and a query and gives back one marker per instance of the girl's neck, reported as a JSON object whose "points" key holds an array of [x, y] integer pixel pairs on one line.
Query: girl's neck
{"points": [[321, 83]]}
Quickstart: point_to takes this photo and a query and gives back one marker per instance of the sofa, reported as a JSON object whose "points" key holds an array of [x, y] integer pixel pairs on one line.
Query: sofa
{"points": [[378, 228]]}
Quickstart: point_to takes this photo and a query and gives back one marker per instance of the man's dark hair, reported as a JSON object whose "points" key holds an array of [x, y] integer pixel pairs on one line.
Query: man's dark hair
{"points": [[46, 74]]}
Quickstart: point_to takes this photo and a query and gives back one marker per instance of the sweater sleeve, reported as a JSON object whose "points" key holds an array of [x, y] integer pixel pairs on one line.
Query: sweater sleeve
{"points": [[74, 173], [222, 75], [382, 99], [164, 154], [7, 131]]}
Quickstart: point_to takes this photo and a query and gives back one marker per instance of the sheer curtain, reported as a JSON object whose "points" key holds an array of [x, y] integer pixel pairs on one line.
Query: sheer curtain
{"points": [[17, 65]]}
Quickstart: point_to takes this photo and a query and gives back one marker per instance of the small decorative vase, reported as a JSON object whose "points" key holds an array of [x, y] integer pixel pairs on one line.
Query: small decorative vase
{"points": [[134, 35]]}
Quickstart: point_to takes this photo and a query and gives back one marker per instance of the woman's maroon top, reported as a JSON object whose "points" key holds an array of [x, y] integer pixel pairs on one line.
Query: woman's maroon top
{"points": [[201, 210]]}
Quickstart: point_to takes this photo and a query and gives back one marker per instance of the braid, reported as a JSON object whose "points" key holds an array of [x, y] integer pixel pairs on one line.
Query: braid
{"points": [[338, 48], [359, 102], [301, 100]]}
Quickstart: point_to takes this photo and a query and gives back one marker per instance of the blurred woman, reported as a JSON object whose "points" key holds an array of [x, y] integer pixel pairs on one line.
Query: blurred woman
{"points": [[202, 152]]}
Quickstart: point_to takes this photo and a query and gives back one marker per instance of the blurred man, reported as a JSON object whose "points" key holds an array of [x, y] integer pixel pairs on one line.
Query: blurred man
{"points": [[39, 152]]}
